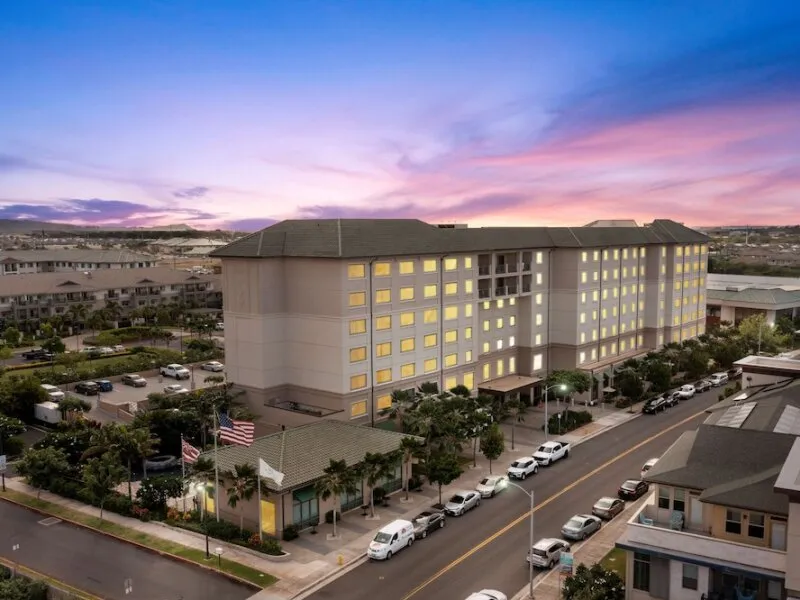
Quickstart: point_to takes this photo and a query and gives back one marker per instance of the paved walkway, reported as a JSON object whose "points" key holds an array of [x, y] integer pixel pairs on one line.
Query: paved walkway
{"points": [[317, 558]]}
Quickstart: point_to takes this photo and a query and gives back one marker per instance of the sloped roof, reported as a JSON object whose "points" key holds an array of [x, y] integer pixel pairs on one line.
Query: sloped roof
{"points": [[76, 256], [361, 238], [774, 296]]}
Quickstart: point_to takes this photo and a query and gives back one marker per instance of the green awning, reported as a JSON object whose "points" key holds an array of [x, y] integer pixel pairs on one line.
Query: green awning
{"points": [[305, 494]]}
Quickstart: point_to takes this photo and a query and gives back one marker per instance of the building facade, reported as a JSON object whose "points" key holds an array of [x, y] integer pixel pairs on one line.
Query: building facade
{"points": [[733, 298], [327, 318], [27, 262]]}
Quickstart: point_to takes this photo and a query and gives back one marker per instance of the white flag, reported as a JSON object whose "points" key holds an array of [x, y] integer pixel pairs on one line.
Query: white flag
{"points": [[267, 472]]}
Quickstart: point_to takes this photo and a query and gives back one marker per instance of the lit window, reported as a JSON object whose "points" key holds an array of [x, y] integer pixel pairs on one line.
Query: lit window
{"points": [[512, 301], [357, 271], [582, 358], [512, 320], [383, 323], [450, 383], [382, 269], [358, 409], [407, 344], [358, 354], [450, 313], [451, 360], [430, 340], [383, 296], [407, 319], [499, 344], [406, 294], [408, 370], [500, 303], [605, 294], [486, 372], [622, 346], [429, 291], [604, 313], [642, 251], [499, 323], [605, 254], [469, 380], [486, 348], [383, 376], [538, 279], [468, 286], [594, 353], [594, 315], [357, 299], [596, 255], [468, 310], [594, 335], [584, 277], [358, 382], [407, 267], [583, 318], [583, 297], [499, 367], [430, 365], [450, 289], [431, 315], [512, 364], [616, 253], [451, 336], [595, 295], [635, 252], [613, 348], [383, 402], [539, 258], [486, 325], [383, 349], [539, 318], [603, 332], [450, 264], [486, 305], [512, 341], [429, 266], [358, 326], [538, 362], [468, 356], [624, 271], [616, 274], [624, 254], [467, 262], [583, 337], [595, 275], [633, 271], [584, 256], [537, 339], [468, 333], [605, 274], [602, 351]]}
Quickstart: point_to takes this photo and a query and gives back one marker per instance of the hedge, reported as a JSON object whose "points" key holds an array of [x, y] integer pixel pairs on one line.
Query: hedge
{"points": [[126, 334], [228, 532], [570, 420]]}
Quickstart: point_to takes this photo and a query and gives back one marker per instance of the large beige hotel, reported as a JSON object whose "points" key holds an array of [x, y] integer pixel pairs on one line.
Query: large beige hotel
{"points": [[326, 318]]}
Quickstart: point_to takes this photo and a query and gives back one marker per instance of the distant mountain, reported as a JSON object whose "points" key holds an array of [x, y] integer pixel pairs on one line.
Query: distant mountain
{"points": [[24, 226]]}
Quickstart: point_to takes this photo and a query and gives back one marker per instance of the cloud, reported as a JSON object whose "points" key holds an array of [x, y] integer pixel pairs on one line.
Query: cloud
{"points": [[192, 192], [9, 162], [254, 224]]}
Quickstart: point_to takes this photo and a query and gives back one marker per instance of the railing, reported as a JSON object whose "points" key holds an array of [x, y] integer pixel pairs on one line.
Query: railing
{"points": [[484, 270], [526, 266], [501, 291], [484, 293], [526, 288], [501, 269], [512, 289]]}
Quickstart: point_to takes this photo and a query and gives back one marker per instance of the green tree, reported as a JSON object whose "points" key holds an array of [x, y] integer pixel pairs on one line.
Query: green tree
{"points": [[461, 390], [101, 475], [476, 418], [374, 468], [76, 314], [760, 336], [493, 444], [630, 385], [9, 427], [6, 353], [726, 351], [659, 374], [113, 312], [74, 404], [96, 321], [595, 583], [155, 492], [12, 336], [697, 362], [130, 444], [409, 448], [54, 344], [577, 382], [442, 468], [40, 467], [514, 409], [243, 483], [338, 479], [402, 403], [785, 326]]}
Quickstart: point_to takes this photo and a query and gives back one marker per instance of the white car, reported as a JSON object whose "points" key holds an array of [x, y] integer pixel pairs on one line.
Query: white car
{"points": [[522, 467], [718, 379], [487, 595], [648, 465], [105, 350], [119, 348], [686, 391], [490, 486], [175, 388], [55, 394], [214, 366], [461, 502], [547, 552]]}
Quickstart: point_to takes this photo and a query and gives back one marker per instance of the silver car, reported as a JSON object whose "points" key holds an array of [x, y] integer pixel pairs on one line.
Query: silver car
{"points": [[608, 507], [492, 485], [580, 527], [461, 502]]}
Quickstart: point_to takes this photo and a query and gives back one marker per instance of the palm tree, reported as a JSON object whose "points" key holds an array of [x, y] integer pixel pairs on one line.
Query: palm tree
{"points": [[402, 402], [57, 323], [515, 409], [131, 444], [201, 471], [375, 468], [409, 447], [76, 314], [338, 479], [113, 312], [243, 484], [96, 321]]}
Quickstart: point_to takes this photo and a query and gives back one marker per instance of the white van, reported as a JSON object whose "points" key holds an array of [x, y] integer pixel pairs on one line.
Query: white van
{"points": [[55, 394], [718, 379], [391, 539]]}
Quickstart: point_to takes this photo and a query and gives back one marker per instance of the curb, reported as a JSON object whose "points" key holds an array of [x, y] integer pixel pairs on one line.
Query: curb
{"points": [[359, 560], [137, 544], [51, 581]]}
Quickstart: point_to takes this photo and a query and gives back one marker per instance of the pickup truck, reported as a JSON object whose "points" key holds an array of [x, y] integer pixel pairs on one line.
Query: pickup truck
{"points": [[550, 452], [37, 354], [176, 371]]}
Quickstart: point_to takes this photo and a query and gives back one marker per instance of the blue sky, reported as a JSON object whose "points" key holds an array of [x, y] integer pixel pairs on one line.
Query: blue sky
{"points": [[237, 113]]}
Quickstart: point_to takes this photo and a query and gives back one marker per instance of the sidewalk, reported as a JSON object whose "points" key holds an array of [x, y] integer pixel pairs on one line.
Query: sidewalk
{"points": [[315, 559]]}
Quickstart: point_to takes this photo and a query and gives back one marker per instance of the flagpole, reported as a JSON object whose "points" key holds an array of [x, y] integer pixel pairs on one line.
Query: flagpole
{"points": [[216, 468], [183, 473], [260, 515]]}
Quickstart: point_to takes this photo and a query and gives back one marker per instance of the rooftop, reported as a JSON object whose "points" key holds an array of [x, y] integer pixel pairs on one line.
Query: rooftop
{"points": [[74, 256], [361, 238]]}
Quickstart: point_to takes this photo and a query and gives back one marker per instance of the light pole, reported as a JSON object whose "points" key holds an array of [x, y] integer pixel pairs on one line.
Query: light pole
{"points": [[563, 388], [200, 487], [530, 540]]}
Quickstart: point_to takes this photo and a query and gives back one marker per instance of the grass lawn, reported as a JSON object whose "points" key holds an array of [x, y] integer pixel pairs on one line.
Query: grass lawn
{"points": [[197, 556], [58, 368], [615, 560]]}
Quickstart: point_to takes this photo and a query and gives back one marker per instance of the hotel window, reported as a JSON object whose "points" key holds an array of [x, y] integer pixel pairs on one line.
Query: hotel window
{"points": [[358, 326], [640, 340], [584, 277], [538, 279], [613, 330], [538, 362], [689, 576], [408, 370], [603, 332], [733, 522], [594, 353], [383, 323], [407, 267], [512, 320], [467, 262], [595, 295], [634, 252], [407, 319], [468, 356], [755, 526], [594, 335], [383, 296], [583, 337], [624, 291], [430, 315], [583, 318], [358, 382], [450, 264], [641, 571], [383, 402], [605, 254], [624, 309], [499, 323], [624, 271], [430, 365], [358, 409], [500, 303], [584, 256], [602, 351], [451, 336], [357, 299], [633, 271], [539, 258], [616, 274], [407, 344], [615, 292], [383, 376], [641, 305], [512, 341], [596, 255], [663, 269], [430, 340], [358, 354], [594, 315], [622, 346], [679, 251], [512, 301], [429, 266], [468, 310], [605, 294], [499, 344], [595, 275], [450, 313], [582, 358], [429, 291], [486, 348], [604, 313], [486, 325], [537, 339], [486, 372], [538, 299], [450, 383], [468, 333], [450, 289], [500, 367], [382, 269], [468, 286], [583, 297], [539, 318], [642, 252], [512, 365], [357, 271], [624, 254], [450, 360], [616, 253], [383, 349], [406, 294], [469, 380]]}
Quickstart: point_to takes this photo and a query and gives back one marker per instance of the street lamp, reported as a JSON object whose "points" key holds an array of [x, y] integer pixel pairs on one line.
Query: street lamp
{"points": [[200, 487], [530, 541], [563, 388], [218, 551]]}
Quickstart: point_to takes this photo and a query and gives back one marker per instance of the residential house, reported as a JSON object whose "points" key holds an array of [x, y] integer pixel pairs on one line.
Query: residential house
{"points": [[26, 262]]}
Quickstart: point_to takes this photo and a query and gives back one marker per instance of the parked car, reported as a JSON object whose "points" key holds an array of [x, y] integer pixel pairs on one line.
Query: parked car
{"points": [[119, 348], [580, 527], [105, 350], [672, 398], [87, 388], [734, 372], [550, 452], [522, 467], [174, 389], [38, 354], [214, 366], [492, 485], [175, 370], [487, 595], [633, 489], [461, 502], [134, 380], [428, 521], [648, 465], [718, 379], [547, 552], [104, 385], [391, 538], [608, 507], [654, 405], [161, 463], [702, 386], [55, 394], [687, 391]]}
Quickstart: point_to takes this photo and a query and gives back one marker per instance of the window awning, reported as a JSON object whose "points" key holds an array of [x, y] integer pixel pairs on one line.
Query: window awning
{"points": [[305, 494], [608, 390], [507, 384]]}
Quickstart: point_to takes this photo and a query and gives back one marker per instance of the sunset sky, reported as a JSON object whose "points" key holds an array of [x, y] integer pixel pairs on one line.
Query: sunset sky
{"points": [[235, 113]]}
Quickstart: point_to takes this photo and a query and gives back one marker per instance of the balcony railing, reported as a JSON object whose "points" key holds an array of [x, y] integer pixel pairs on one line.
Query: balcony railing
{"points": [[482, 293], [526, 288], [485, 270], [501, 268], [505, 290], [526, 266]]}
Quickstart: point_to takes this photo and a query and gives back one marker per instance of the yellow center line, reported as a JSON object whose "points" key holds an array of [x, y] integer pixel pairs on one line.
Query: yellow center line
{"points": [[544, 503]]}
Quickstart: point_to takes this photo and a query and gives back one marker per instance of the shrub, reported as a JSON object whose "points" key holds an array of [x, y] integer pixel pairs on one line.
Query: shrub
{"points": [[141, 513], [570, 420], [13, 446], [120, 504], [290, 533], [271, 546], [329, 516], [622, 403], [224, 530]]}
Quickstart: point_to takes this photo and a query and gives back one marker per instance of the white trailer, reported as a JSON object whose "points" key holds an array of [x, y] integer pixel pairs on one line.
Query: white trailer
{"points": [[48, 412]]}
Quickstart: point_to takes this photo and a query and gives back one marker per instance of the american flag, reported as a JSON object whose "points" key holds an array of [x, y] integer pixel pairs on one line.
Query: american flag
{"points": [[190, 453], [235, 432]]}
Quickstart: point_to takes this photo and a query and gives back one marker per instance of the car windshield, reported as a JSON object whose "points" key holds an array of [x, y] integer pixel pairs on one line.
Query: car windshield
{"points": [[457, 499], [383, 538], [421, 520], [518, 464], [604, 503], [629, 485], [545, 449], [487, 481], [574, 524]]}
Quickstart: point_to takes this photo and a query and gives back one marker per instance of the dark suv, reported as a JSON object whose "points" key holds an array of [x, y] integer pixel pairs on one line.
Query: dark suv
{"points": [[87, 388], [654, 405], [38, 354]]}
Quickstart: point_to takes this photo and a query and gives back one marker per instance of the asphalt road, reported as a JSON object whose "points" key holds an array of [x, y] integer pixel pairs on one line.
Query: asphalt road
{"points": [[483, 549], [100, 565]]}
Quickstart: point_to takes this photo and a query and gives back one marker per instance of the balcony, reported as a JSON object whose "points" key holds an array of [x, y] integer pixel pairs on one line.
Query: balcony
{"points": [[500, 269], [651, 527], [484, 293], [505, 291], [526, 288], [526, 267]]}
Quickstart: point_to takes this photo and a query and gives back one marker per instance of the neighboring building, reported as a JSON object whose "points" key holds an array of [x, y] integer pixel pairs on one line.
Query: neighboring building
{"points": [[189, 245], [25, 262], [328, 317], [36, 297], [302, 454], [735, 297], [719, 523], [764, 370]]}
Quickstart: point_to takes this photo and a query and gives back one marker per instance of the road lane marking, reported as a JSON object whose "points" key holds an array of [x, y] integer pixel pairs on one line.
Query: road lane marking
{"points": [[544, 503]]}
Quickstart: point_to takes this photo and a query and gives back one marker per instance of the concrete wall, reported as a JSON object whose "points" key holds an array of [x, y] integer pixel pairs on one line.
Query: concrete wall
{"points": [[676, 589]]}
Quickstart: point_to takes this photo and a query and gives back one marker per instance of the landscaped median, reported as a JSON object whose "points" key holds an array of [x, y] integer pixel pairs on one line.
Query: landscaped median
{"points": [[174, 550]]}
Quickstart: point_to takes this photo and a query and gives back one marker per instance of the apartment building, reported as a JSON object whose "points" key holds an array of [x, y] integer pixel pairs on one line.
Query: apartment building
{"points": [[26, 262], [723, 520], [329, 317], [30, 298]]}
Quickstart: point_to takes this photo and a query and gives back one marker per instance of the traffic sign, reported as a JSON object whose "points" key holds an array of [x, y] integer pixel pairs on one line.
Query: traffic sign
{"points": [[2, 463], [565, 563]]}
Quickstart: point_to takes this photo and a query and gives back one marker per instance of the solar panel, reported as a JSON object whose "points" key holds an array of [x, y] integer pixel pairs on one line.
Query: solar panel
{"points": [[789, 421], [736, 415]]}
